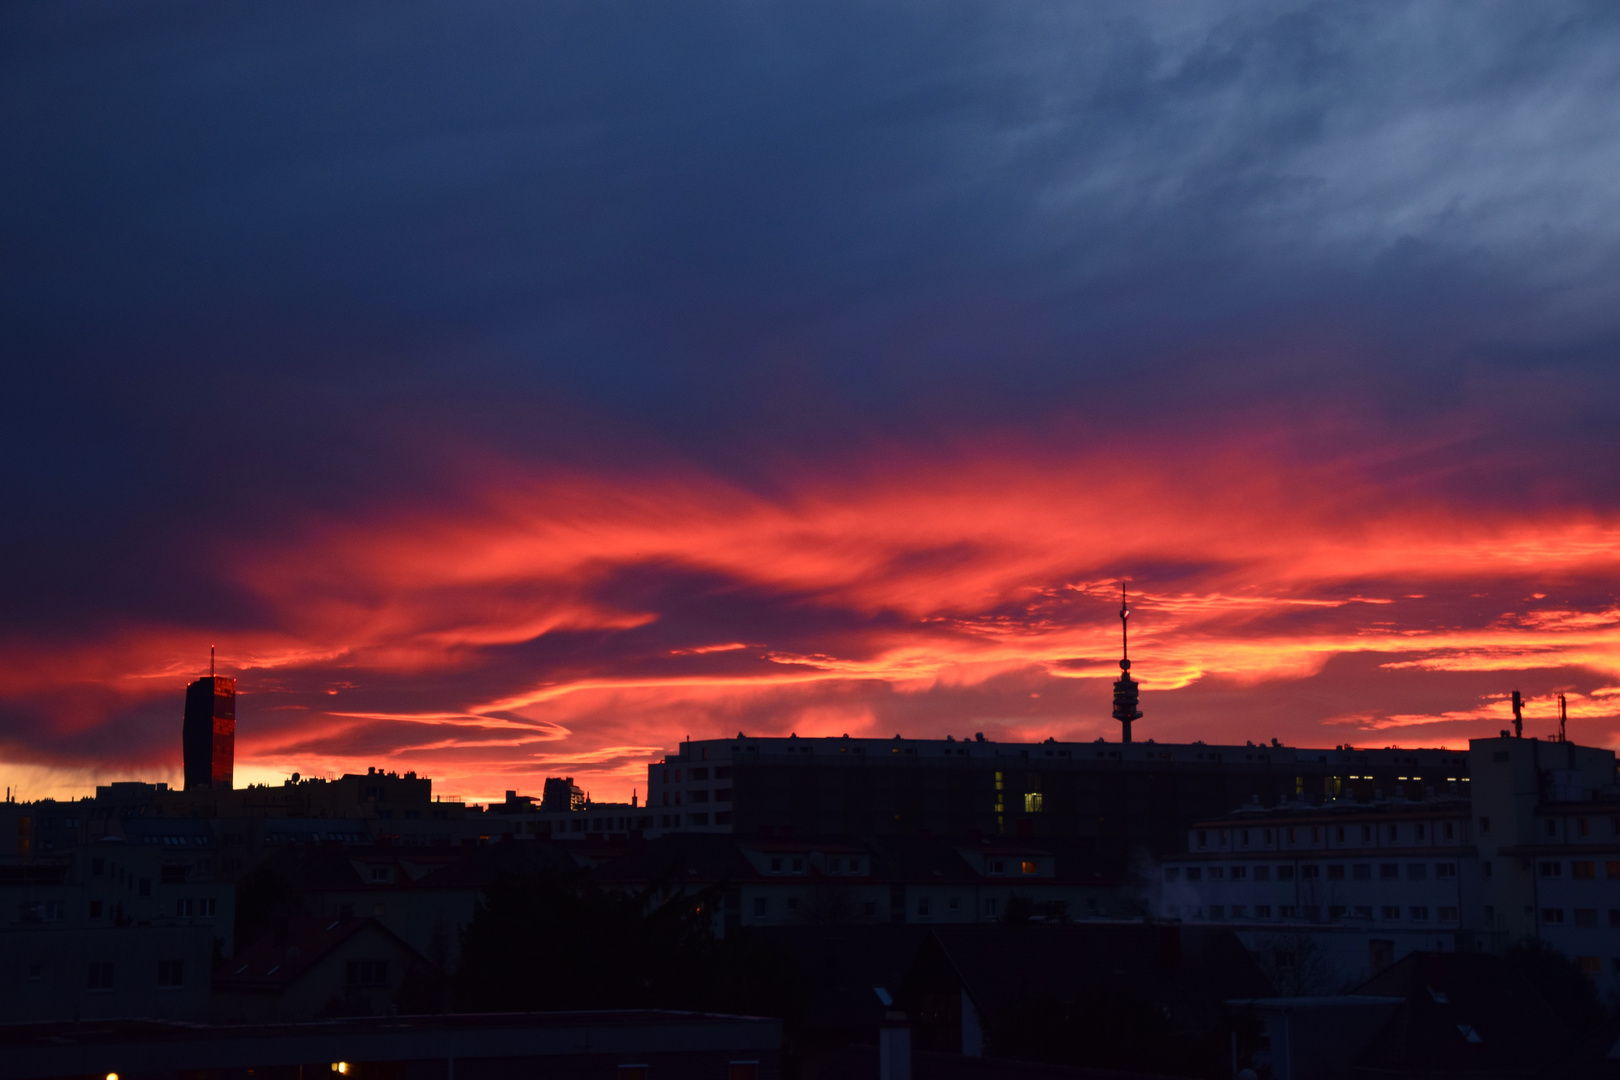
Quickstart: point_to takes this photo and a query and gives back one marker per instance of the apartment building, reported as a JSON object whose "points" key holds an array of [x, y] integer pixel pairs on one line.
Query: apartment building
{"points": [[110, 931], [1526, 853], [1117, 797]]}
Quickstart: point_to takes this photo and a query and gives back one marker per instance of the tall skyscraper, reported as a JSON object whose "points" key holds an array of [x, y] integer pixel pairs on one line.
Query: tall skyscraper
{"points": [[209, 736]]}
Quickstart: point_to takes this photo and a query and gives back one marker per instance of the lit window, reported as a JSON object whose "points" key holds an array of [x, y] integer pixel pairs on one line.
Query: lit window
{"points": [[1032, 802], [1029, 866]]}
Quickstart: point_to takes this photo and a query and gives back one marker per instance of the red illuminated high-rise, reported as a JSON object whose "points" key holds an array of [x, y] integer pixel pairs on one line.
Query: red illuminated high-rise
{"points": [[209, 736]]}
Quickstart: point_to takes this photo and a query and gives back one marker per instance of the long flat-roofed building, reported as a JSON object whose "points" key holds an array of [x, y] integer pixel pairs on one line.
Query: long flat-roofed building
{"points": [[1119, 796]]}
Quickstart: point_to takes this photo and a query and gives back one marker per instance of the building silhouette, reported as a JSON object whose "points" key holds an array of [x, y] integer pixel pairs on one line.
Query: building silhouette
{"points": [[208, 738]]}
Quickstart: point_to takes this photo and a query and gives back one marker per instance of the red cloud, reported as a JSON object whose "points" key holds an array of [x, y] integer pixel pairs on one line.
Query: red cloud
{"points": [[555, 621]]}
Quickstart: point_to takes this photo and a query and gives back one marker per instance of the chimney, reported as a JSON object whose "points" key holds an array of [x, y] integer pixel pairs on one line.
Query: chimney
{"points": [[1518, 716]]}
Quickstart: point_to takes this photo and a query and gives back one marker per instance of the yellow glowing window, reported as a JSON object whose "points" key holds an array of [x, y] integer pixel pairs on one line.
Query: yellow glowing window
{"points": [[1032, 802], [1029, 867]]}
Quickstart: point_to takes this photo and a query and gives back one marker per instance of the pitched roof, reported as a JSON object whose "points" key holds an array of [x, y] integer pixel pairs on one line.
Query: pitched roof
{"points": [[280, 958], [1465, 1014]]}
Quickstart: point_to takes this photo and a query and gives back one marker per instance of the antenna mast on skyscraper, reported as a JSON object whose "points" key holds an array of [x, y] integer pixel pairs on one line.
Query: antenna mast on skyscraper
{"points": [[210, 661]]}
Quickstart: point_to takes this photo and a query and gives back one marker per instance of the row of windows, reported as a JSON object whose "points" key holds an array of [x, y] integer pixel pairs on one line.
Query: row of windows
{"points": [[1583, 917], [698, 796], [101, 976], [672, 821], [1580, 871], [1341, 834], [1415, 871], [1313, 912], [925, 906], [721, 772]]}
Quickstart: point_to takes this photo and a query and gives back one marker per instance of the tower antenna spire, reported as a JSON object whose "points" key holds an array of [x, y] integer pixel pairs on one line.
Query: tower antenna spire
{"points": [[1125, 687], [210, 661]]}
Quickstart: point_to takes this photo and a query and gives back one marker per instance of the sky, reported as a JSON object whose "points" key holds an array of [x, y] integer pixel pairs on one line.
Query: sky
{"points": [[513, 389]]}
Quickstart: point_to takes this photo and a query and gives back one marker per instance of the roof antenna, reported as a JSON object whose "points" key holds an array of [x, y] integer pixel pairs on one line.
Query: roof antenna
{"points": [[1518, 716], [1563, 718], [1125, 693], [210, 661]]}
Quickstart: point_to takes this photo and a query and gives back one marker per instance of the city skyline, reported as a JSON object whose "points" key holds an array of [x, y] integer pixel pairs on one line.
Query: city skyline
{"points": [[515, 393]]}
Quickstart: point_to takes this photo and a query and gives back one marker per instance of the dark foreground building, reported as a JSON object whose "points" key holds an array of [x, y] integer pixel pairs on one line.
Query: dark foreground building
{"points": [[1117, 797], [629, 1045]]}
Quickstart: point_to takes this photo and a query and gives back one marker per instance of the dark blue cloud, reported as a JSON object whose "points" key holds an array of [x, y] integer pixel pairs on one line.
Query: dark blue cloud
{"points": [[269, 259]]}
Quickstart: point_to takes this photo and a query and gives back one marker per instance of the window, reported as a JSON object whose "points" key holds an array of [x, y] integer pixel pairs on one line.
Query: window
{"points": [[991, 906], [697, 819], [171, 875], [1364, 911], [1366, 834], [1237, 911], [1552, 916], [1422, 832], [1389, 911], [1552, 869], [381, 873], [1338, 833], [1485, 826], [1614, 918], [1203, 838], [1445, 869], [1583, 871], [98, 866], [1418, 913], [762, 906], [1586, 917], [1310, 870], [1313, 913], [924, 906], [1552, 828], [1336, 912], [870, 909], [955, 903], [1417, 871], [1490, 915], [208, 907], [1611, 871], [1262, 873], [182, 908], [171, 973], [95, 909], [1285, 873], [368, 973], [1449, 914], [1451, 831], [1262, 911], [1389, 871], [1361, 871], [145, 887], [1217, 911], [1590, 965], [722, 794], [1172, 873], [776, 866], [1286, 911], [1485, 868], [1336, 872], [1239, 873], [1032, 802], [798, 866], [1194, 873], [1216, 873], [101, 976]]}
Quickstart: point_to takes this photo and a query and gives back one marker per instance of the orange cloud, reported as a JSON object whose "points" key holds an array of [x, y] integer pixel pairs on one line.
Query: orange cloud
{"points": [[556, 619]]}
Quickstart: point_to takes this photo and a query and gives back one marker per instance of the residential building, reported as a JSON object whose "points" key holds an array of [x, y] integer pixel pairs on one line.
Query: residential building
{"points": [[110, 931], [308, 968], [1117, 797], [1353, 886]]}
